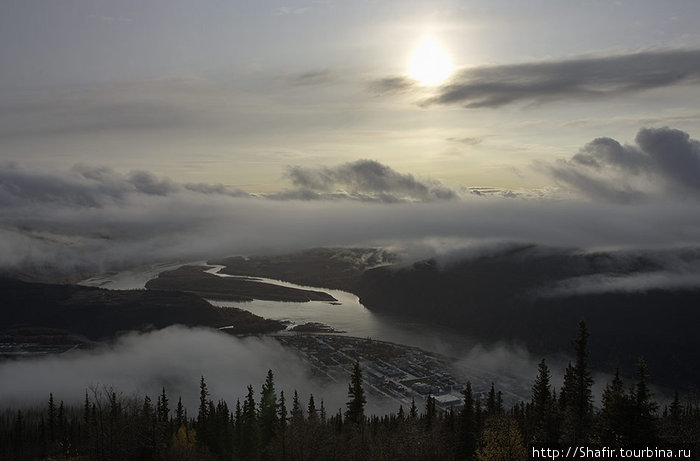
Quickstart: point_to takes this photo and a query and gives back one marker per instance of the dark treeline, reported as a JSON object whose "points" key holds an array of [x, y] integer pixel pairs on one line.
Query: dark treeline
{"points": [[268, 425]]}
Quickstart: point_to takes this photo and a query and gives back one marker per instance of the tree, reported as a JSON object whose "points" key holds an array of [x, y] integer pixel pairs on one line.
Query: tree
{"points": [[467, 425], [180, 418], [268, 410], [249, 428], [577, 394], [356, 405], [311, 409], [542, 424], [413, 411], [491, 400], [163, 410], [322, 412], [282, 418], [312, 431], [203, 431], [52, 419], [644, 409], [614, 418], [502, 441], [296, 429], [430, 412]]}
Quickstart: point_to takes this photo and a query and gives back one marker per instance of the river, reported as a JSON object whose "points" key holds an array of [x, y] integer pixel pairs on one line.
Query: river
{"points": [[349, 316]]}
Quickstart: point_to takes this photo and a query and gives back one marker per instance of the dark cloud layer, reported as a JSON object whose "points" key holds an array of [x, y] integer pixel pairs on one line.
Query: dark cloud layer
{"points": [[664, 162], [366, 180], [582, 78]]}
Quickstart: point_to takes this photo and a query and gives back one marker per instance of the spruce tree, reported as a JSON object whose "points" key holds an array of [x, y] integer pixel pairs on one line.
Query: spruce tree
{"points": [[645, 408], [311, 409], [578, 411], [296, 429], [51, 419], [467, 425], [542, 408], [614, 418], [356, 405], [297, 413], [249, 427], [180, 413], [491, 400], [413, 411], [322, 412], [430, 412], [203, 432], [163, 409], [282, 418], [203, 401], [268, 410]]}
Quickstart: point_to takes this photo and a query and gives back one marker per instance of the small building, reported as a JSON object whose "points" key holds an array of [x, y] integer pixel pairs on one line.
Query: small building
{"points": [[448, 400]]}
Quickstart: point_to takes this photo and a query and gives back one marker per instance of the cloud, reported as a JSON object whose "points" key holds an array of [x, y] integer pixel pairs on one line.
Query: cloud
{"points": [[664, 161], [365, 180], [676, 156], [175, 357], [391, 85], [469, 141], [632, 271], [635, 283], [492, 191], [318, 77], [94, 219], [287, 10], [585, 78], [90, 186]]}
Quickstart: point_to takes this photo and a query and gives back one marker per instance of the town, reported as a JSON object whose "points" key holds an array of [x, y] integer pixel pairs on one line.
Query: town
{"points": [[397, 372]]}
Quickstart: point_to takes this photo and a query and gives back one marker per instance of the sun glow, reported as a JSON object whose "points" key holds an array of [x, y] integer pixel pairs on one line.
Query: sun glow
{"points": [[430, 65]]}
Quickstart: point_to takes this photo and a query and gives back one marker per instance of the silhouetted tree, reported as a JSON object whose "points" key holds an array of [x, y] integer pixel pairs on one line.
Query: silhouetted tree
{"points": [[577, 394], [268, 411], [180, 417], [466, 440], [614, 422], [282, 418], [249, 442], [644, 408], [354, 413], [541, 418]]}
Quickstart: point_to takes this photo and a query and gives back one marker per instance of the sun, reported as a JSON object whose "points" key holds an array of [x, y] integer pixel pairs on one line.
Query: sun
{"points": [[430, 65]]}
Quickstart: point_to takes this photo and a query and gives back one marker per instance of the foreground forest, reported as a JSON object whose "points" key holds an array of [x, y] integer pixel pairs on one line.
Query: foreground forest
{"points": [[109, 426]]}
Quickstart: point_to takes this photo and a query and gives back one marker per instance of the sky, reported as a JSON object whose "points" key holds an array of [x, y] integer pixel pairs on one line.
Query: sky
{"points": [[141, 130], [236, 92]]}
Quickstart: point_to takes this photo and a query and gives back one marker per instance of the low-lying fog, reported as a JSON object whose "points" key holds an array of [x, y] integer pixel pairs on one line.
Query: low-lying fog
{"points": [[176, 357]]}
